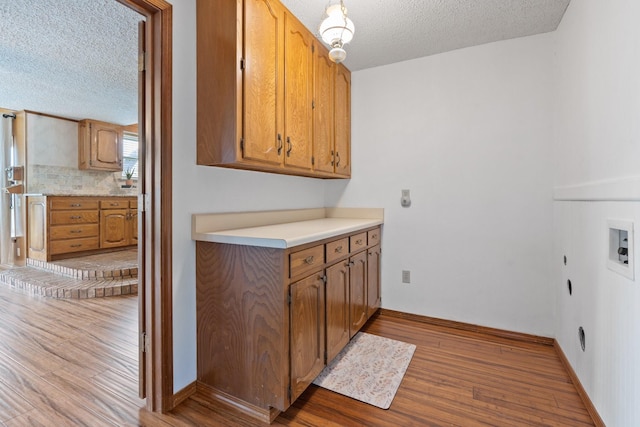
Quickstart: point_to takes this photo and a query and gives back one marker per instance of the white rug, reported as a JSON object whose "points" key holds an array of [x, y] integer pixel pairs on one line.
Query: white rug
{"points": [[370, 369]]}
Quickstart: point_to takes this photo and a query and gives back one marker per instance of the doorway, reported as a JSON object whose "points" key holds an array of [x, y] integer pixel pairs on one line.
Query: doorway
{"points": [[156, 380]]}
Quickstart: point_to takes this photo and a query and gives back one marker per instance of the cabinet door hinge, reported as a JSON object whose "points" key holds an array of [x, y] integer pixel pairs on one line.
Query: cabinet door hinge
{"points": [[144, 202], [242, 63], [144, 342]]}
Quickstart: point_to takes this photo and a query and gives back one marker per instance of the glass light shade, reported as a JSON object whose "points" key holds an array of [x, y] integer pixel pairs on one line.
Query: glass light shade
{"points": [[337, 54], [337, 29]]}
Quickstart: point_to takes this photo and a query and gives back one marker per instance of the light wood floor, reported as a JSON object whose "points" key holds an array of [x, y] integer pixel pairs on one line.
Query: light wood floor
{"points": [[74, 362]]}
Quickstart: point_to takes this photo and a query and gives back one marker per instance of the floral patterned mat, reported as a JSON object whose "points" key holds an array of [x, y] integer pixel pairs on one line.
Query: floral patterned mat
{"points": [[370, 369]]}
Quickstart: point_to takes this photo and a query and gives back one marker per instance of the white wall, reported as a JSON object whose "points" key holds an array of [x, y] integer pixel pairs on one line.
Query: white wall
{"points": [[52, 141], [198, 189], [469, 133], [597, 157]]}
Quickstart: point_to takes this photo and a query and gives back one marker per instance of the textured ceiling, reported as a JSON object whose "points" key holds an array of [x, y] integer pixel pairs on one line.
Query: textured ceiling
{"points": [[72, 58], [390, 31], [78, 58]]}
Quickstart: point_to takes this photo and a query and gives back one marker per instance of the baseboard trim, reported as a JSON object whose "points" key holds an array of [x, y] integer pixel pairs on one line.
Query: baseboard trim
{"points": [[218, 399], [501, 333], [183, 395], [597, 420]]}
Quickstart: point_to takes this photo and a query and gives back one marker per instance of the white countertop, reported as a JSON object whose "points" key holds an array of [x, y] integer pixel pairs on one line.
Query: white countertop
{"points": [[289, 234]]}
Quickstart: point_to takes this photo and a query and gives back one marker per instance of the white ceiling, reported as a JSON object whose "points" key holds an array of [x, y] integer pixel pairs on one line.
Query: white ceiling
{"points": [[78, 58]]}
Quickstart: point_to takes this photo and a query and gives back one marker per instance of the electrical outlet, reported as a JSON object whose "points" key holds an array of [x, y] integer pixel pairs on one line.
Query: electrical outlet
{"points": [[406, 276]]}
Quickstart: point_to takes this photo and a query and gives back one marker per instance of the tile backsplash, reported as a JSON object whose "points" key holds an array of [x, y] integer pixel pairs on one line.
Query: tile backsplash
{"points": [[47, 179]]}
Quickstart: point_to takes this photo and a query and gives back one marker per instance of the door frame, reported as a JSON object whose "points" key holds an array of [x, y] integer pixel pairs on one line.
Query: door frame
{"points": [[155, 290]]}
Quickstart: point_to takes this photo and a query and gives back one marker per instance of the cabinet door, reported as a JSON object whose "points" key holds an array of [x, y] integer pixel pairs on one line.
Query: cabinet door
{"points": [[99, 146], [307, 332], [373, 280], [343, 121], [37, 220], [113, 228], [357, 292], [133, 227], [337, 312], [262, 82], [297, 105], [323, 130]]}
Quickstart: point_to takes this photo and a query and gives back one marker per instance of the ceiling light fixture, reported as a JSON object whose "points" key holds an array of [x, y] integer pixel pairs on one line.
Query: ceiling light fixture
{"points": [[337, 30]]}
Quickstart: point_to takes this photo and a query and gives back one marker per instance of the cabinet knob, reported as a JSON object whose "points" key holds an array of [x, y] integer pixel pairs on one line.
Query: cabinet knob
{"points": [[359, 242], [309, 259], [374, 236]]}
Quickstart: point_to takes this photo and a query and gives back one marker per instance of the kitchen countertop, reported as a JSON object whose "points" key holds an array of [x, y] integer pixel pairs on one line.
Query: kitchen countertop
{"points": [[77, 195], [293, 233]]}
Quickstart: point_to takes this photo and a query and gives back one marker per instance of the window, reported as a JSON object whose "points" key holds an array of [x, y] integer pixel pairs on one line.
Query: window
{"points": [[130, 154]]}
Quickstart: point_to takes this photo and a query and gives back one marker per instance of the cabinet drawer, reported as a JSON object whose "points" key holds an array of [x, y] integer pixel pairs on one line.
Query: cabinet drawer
{"points": [[373, 237], [337, 249], [70, 203], [114, 204], [73, 245], [74, 217], [59, 232], [306, 261], [357, 241]]}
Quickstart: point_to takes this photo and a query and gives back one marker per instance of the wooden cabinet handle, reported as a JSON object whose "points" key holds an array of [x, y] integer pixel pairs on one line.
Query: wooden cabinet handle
{"points": [[75, 231], [309, 259], [374, 236], [338, 161], [280, 144], [339, 249], [359, 242], [289, 147], [75, 217], [333, 158], [76, 246], [76, 205], [114, 204]]}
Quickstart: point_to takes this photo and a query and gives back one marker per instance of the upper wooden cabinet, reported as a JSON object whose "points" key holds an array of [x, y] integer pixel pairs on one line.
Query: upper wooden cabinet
{"points": [[99, 146], [342, 157], [257, 82]]}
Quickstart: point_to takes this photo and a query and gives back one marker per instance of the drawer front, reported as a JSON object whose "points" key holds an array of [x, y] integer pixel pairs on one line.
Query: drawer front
{"points": [[73, 203], [73, 245], [74, 217], [337, 249], [373, 237], [357, 241], [306, 261], [114, 204], [59, 232]]}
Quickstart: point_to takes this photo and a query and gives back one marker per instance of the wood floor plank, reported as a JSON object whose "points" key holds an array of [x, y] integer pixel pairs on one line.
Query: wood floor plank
{"points": [[74, 362]]}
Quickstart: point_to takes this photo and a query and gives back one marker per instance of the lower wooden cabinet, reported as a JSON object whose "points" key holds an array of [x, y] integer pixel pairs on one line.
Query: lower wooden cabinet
{"points": [[374, 290], [64, 226], [269, 320], [307, 350]]}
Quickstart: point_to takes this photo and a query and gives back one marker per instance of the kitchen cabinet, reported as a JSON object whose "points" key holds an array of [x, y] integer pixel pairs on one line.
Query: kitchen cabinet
{"points": [[296, 308], [331, 116], [64, 226], [342, 114], [117, 223], [99, 146], [307, 332], [374, 291], [256, 95]]}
